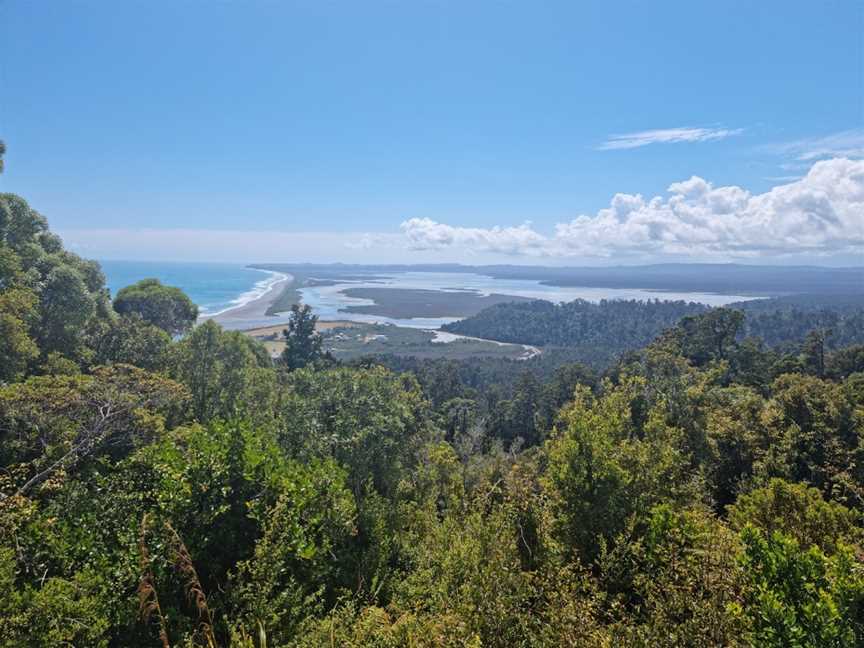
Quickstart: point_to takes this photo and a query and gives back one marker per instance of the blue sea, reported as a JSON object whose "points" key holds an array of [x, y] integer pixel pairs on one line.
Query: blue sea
{"points": [[215, 287]]}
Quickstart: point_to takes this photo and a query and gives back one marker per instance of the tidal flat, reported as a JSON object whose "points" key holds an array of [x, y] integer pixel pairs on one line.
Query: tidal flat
{"points": [[404, 303]]}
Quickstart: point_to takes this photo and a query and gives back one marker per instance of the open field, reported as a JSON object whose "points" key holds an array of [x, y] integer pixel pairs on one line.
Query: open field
{"points": [[268, 331], [351, 340], [271, 336], [376, 339]]}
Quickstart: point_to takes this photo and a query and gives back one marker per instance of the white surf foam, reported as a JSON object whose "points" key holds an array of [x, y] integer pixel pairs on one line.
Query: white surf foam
{"points": [[259, 290]]}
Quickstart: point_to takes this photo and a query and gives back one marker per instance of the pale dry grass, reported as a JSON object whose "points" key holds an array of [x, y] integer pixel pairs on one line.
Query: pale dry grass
{"points": [[148, 598], [276, 329]]}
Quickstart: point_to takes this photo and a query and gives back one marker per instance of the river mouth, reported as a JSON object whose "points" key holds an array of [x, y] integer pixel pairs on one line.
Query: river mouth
{"points": [[428, 300]]}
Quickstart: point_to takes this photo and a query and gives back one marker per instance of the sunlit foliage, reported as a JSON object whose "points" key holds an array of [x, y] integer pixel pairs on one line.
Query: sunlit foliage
{"points": [[164, 484]]}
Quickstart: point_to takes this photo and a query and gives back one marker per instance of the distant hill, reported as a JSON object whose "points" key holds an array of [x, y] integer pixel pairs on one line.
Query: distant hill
{"points": [[804, 302]]}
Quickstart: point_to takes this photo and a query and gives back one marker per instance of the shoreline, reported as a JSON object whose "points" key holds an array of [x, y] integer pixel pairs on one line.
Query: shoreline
{"points": [[255, 308]]}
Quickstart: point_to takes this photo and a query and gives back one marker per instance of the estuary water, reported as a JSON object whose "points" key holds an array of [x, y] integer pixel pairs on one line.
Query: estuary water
{"points": [[329, 302], [227, 291]]}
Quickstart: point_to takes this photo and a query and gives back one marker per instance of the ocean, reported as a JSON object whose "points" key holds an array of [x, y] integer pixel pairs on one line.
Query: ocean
{"points": [[215, 287]]}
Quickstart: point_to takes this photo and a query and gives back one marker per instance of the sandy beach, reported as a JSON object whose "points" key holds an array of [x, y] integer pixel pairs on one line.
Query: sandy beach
{"points": [[253, 313]]}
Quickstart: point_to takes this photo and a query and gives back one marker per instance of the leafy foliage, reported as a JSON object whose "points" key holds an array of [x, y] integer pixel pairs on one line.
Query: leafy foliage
{"points": [[176, 486], [48, 295], [227, 373], [798, 512], [801, 597], [302, 343], [163, 306], [613, 325], [598, 333]]}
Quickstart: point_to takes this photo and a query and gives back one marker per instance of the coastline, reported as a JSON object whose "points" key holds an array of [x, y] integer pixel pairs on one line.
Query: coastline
{"points": [[256, 308]]}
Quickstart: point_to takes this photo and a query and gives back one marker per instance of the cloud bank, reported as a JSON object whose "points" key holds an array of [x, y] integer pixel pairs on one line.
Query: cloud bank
{"points": [[822, 214], [815, 219], [667, 136]]}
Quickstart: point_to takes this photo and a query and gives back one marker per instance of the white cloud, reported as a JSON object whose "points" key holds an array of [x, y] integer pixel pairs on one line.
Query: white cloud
{"points": [[822, 214], [783, 178], [667, 136], [848, 144], [426, 234]]}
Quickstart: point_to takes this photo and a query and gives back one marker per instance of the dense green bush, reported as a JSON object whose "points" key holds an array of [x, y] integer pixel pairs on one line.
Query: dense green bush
{"points": [[190, 491]]}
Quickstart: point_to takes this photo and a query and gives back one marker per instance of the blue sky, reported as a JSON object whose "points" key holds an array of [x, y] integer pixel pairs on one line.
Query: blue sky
{"points": [[433, 130]]}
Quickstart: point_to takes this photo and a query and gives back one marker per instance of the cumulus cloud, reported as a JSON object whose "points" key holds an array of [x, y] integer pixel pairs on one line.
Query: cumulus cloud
{"points": [[667, 136], [820, 214]]}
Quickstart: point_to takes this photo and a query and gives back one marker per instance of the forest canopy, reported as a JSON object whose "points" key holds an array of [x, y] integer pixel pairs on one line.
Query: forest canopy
{"points": [[170, 484], [601, 332]]}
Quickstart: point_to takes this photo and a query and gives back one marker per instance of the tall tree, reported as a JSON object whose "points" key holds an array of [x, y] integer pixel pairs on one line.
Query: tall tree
{"points": [[302, 343], [129, 340], [813, 351], [49, 294], [710, 336], [228, 374], [164, 306], [66, 305], [17, 348]]}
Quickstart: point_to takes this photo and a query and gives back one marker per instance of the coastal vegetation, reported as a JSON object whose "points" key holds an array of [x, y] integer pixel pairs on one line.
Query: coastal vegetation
{"points": [[170, 485], [601, 332], [165, 307]]}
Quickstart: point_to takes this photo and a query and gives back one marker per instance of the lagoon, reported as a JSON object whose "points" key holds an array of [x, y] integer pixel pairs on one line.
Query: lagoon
{"points": [[227, 291], [337, 300]]}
